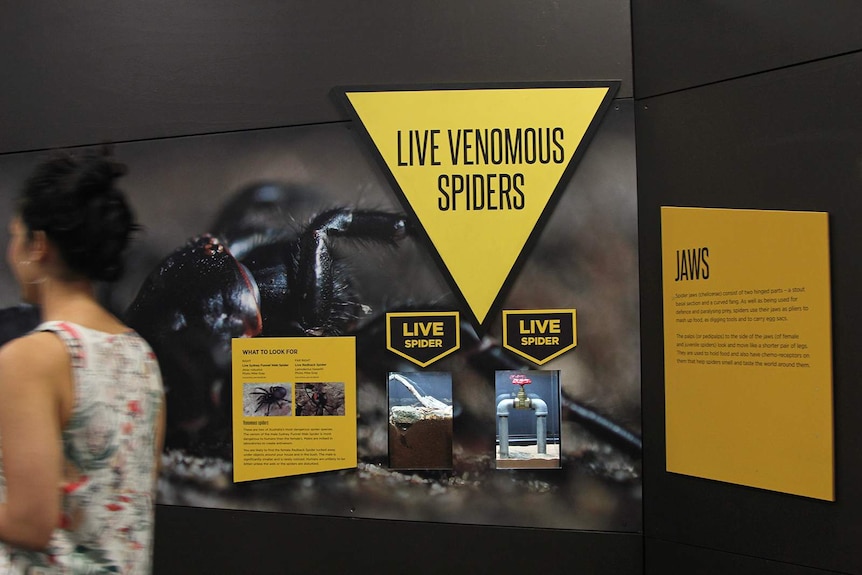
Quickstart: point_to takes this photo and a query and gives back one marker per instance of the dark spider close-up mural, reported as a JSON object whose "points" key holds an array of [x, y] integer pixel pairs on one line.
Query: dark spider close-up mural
{"points": [[294, 232]]}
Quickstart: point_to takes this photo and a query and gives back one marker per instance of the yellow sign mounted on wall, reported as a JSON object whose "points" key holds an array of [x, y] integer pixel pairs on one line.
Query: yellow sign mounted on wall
{"points": [[423, 337], [294, 406], [540, 335], [748, 348], [478, 168]]}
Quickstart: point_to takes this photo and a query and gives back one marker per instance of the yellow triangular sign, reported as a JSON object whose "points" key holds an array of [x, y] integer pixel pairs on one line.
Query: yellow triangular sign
{"points": [[478, 167]]}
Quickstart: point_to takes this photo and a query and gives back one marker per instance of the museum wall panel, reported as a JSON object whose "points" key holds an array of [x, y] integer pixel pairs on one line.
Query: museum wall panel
{"points": [[222, 541], [680, 44], [667, 557], [92, 71], [788, 139], [204, 98]]}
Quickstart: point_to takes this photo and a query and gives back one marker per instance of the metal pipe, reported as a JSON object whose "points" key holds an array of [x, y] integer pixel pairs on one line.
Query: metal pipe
{"points": [[538, 405], [541, 433]]}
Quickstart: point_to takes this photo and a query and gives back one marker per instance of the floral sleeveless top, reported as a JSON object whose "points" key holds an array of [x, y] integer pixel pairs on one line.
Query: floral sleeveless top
{"points": [[106, 523]]}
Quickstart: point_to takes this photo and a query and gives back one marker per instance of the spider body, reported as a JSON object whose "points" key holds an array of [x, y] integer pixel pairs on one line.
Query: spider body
{"points": [[267, 397], [316, 401], [261, 274], [258, 275]]}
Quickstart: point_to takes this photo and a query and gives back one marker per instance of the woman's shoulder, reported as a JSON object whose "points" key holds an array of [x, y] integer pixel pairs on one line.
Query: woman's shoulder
{"points": [[32, 356], [32, 346], [102, 325]]}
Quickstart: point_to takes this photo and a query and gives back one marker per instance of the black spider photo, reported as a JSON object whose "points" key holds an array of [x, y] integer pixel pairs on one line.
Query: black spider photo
{"points": [[293, 232], [267, 398], [262, 280], [320, 399]]}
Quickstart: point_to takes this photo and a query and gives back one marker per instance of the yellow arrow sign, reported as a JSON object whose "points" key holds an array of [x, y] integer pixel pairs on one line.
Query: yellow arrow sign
{"points": [[478, 168]]}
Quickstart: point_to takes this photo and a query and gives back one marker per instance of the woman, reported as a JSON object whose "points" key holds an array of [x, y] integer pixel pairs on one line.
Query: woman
{"points": [[81, 401]]}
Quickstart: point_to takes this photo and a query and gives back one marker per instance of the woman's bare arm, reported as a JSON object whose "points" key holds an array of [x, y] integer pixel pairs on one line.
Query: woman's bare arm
{"points": [[33, 372], [160, 436]]}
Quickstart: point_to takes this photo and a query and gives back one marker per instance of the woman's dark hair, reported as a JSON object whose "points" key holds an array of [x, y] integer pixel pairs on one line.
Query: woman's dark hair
{"points": [[72, 198]]}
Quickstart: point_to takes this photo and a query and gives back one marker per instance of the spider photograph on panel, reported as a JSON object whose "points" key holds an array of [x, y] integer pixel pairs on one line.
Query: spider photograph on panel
{"points": [[294, 232], [320, 399], [266, 399]]}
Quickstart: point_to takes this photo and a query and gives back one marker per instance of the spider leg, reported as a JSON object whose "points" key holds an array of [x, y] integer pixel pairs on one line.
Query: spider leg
{"points": [[324, 289]]}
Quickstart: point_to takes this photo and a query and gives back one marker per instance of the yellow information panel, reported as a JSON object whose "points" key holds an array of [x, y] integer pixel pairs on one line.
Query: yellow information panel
{"points": [[748, 348], [478, 167], [294, 406]]}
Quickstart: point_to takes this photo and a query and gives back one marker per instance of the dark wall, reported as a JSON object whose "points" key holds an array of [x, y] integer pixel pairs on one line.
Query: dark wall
{"points": [[738, 106], [86, 71], [190, 540], [679, 45]]}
